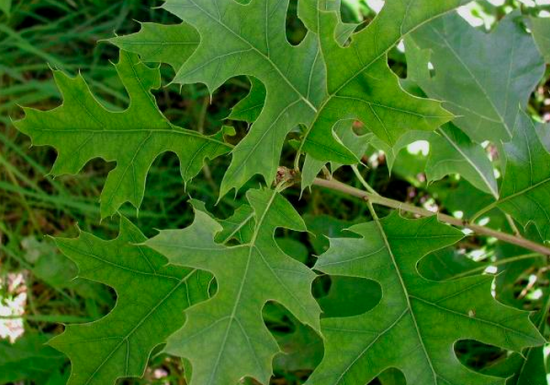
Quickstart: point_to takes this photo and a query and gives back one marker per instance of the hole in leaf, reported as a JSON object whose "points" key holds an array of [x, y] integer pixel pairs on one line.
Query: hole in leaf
{"points": [[349, 296], [302, 346], [295, 29], [212, 287], [390, 376], [477, 355]]}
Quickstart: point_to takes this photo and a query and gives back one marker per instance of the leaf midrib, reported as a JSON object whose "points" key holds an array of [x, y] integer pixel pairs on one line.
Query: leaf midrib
{"points": [[251, 245], [176, 130], [470, 162], [406, 294], [475, 79]]}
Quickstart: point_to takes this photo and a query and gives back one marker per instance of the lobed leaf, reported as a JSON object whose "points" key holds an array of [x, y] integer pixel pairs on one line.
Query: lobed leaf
{"points": [[158, 43], [418, 321], [361, 85], [482, 78], [225, 338], [250, 40], [81, 129], [150, 301], [526, 185]]}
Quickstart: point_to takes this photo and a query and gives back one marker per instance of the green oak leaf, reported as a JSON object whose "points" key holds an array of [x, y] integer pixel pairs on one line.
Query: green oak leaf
{"points": [[151, 297], [81, 129], [418, 321], [361, 85], [529, 366], [250, 40], [482, 78], [157, 43], [453, 152], [540, 27], [356, 144], [525, 189], [225, 338], [250, 108]]}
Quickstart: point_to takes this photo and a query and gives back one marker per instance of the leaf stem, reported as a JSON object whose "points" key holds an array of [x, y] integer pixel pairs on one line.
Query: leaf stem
{"points": [[484, 210], [513, 225], [363, 181], [382, 201]]}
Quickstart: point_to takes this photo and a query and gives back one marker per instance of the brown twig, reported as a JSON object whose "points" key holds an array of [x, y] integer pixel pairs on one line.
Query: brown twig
{"points": [[382, 201]]}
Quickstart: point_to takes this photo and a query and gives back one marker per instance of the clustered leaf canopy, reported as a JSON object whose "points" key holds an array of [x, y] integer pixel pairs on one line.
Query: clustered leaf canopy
{"points": [[200, 291]]}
